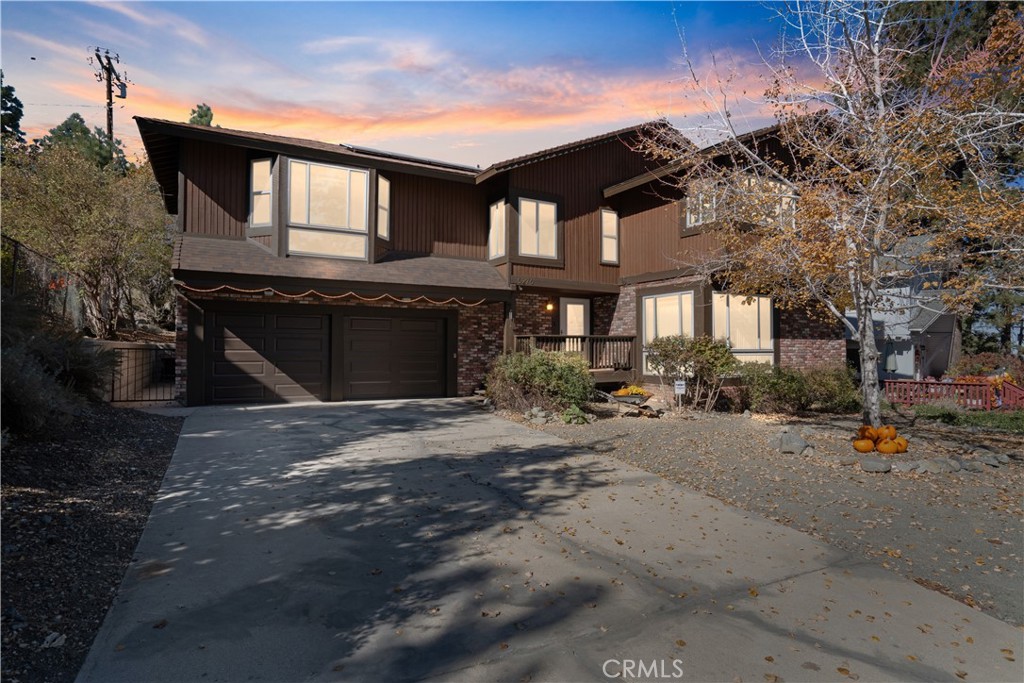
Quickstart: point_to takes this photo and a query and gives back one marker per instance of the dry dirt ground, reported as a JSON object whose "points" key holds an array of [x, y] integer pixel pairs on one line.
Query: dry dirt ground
{"points": [[959, 533], [72, 511]]}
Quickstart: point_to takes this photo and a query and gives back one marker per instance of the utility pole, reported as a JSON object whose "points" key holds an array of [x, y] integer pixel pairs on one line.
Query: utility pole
{"points": [[106, 73]]}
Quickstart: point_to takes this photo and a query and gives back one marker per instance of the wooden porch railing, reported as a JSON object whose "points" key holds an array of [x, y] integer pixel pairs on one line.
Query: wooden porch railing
{"points": [[911, 392], [602, 352], [1013, 396]]}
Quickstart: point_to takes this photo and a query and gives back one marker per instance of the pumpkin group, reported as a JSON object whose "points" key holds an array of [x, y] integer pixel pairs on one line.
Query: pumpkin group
{"points": [[882, 439]]}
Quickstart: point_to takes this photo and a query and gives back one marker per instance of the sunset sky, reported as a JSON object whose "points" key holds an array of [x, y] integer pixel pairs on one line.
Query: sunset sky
{"points": [[468, 82]]}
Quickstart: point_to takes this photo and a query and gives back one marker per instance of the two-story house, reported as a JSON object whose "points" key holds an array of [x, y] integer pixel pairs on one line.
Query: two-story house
{"points": [[309, 270]]}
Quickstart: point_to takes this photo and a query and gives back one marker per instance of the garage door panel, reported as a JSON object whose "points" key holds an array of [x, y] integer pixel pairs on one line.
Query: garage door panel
{"points": [[242, 321], [229, 342], [245, 392], [369, 324], [299, 344], [245, 368], [299, 322]]}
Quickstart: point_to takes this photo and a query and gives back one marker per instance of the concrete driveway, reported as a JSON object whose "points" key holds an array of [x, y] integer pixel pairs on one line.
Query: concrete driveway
{"points": [[426, 540]]}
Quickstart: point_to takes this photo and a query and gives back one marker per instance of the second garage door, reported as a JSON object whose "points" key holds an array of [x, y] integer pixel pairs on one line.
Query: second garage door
{"points": [[394, 357]]}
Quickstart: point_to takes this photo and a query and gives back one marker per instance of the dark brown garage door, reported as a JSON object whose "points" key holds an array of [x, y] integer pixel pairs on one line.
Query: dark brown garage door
{"points": [[394, 357], [268, 357]]}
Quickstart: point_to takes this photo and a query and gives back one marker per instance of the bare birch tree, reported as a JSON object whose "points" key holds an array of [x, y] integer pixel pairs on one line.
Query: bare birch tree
{"points": [[867, 177]]}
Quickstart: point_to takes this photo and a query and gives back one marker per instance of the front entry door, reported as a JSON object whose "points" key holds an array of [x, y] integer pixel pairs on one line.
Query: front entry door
{"points": [[574, 321]]}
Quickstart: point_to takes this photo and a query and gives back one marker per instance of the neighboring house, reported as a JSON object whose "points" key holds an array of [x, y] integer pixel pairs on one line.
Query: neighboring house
{"points": [[916, 335], [314, 270]]}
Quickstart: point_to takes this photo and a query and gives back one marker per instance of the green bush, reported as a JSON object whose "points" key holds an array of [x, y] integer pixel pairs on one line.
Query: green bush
{"points": [[47, 369], [705, 363], [832, 390], [550, 379], [771, 389]]}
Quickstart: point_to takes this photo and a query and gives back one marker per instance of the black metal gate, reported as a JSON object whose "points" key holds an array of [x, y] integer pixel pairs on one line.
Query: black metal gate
{"points": [[143, 375]]}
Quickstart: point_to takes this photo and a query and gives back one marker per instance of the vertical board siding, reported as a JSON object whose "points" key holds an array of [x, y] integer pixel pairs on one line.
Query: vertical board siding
{"points": [[443, 218], [650, 227], [577, 179], [216, 189]]}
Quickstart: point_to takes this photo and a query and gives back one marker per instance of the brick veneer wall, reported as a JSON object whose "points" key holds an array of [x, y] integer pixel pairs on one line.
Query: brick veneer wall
{"points": [[602, 313], [807, 341], [623, 321], [480, 330], [532, 317]]}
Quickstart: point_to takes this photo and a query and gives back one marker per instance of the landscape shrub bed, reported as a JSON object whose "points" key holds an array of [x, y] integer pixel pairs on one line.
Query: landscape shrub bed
{"points": [[552, 380]]}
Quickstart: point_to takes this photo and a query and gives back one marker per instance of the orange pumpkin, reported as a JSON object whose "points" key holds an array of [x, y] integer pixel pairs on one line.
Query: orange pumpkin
{"points": [[867, 432], [886, 432], [864, 445], [901, 444], [886, 446]]}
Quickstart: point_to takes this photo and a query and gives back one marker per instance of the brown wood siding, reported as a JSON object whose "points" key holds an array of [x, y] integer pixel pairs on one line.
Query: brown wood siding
{"points": [[216, 189], [437, 217], [577, 180], [649, 229]]}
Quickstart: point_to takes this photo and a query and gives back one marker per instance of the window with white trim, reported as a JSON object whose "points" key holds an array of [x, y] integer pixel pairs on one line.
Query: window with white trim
{"points": [[746, 324], [260, 193], [327, 210], [538, 228], [383, 208], [496, 231], [609, 236], [665, 315], [325, 196]]}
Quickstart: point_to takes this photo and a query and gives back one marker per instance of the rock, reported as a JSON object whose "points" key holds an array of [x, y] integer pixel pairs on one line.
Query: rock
{"points": [[54, 640], [905, 466], [788, 442], [973, 466], [591, 418], [940, 466], [747, 414], [980, 450], [1003, 458], [808, 452], [928, 467], [539, 421], [875, 465], [989, 460], [954, 464], [536, 410]]}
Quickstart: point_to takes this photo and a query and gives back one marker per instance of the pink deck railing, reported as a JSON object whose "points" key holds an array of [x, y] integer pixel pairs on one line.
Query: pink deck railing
{"points": [[967, 395]]}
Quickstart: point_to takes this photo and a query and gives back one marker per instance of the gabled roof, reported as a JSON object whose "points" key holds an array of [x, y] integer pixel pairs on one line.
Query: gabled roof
{"points": [[568, 148], [681, 164], [162, 138]]}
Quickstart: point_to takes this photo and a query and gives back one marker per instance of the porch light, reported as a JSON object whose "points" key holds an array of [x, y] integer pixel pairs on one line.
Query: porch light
{"points": [[549, 306]]}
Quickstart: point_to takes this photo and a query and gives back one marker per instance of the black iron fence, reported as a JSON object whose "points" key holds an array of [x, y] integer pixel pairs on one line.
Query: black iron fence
{"points": [[143, 374]]}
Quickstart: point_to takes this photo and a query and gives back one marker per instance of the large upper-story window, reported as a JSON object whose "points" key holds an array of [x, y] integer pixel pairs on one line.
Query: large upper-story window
{"points": [[383, 208], [496, 231], [260, 193], [665, 315], [746, 323], [609, 236], [538, 228], [327, 210]]}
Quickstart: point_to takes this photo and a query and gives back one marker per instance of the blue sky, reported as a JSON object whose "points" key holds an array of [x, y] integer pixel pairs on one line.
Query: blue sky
{"points": [[469, 82]]}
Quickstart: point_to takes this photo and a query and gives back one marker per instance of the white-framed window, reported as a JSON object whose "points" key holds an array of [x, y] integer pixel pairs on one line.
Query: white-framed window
{"points": [[665, 315], [325, 196], [609, 236], [260, 193], [701, 202], [538, 228], [746, 324], [383, 208], [496, 230]]}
